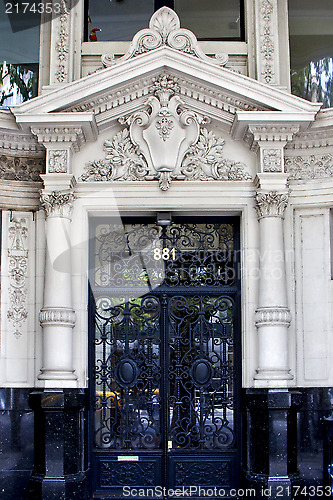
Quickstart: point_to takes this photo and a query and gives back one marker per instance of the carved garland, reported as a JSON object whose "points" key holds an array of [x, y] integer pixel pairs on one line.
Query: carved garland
{"points": [[18, 269]]}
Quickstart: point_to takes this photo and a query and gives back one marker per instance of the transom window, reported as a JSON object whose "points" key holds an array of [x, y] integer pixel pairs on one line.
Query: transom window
{"points": [[119, 20]]}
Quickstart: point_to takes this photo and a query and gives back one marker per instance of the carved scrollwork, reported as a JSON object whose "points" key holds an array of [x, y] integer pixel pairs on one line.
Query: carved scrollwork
{"points": [[267, 44], [21, 168], [309, 167], [164, 30]]}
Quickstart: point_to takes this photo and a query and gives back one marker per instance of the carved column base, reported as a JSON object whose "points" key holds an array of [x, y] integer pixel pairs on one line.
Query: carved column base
{"points": [[57, 324]]}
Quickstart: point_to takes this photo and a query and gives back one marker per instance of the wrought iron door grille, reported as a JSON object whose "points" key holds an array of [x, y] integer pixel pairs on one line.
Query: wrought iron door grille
{"points": [[163, 371]]}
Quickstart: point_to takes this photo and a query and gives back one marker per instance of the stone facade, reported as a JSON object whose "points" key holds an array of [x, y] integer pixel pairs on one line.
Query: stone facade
{"points": [[143, 135]]}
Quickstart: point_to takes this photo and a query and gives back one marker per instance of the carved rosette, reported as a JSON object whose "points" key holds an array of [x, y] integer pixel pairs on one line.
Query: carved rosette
{"points": [[271, 204], [272, 160], [164, 30], [58, 161], [17, 269], [58, 204], [272, 316], [57, 316]]}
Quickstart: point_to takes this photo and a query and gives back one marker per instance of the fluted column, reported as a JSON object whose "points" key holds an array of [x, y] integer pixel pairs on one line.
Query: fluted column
{"points": [[57, 316], [272, 316]]}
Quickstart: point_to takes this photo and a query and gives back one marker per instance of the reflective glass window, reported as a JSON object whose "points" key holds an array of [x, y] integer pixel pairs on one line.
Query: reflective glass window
{"points": [[311, 49], [19, 54]]}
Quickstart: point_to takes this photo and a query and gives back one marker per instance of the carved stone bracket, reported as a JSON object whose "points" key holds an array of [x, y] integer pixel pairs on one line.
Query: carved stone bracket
{"points": [[58, 204], [164, 30], [17, 269], [271, 204]]}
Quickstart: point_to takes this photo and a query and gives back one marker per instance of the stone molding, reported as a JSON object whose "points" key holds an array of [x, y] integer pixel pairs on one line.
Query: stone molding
{"points": [[314, 139], [17, 312], [272, 204], [58, 161], [272, 316], [272, 160], [309, 167], [58, 204], [164, 30], [21, 168], [57, 316]]}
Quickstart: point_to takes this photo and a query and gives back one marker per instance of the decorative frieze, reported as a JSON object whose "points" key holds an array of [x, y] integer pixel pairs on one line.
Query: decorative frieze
{"points": [[271, 204], [17, 269], [272, 316], [57, 316], [57, 161], [164, 30], [272, 160], [58, 204], [309, 167], [18, 168]]}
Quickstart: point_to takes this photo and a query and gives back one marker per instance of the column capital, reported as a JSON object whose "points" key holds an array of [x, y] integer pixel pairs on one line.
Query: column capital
{"points": [[271, 204], [58, 203]]}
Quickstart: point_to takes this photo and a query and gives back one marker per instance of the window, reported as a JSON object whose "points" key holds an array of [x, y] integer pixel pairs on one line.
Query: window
{"points": [[19, 56], [209, 20], [311, 49]]}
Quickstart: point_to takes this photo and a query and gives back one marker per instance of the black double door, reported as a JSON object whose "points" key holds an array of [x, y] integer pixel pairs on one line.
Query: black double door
{"points": [[164, 360]]}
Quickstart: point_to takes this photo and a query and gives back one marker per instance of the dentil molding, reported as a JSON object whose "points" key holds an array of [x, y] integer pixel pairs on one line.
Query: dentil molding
{"points": [[164, 30], [271, 204], [60, 134], [58, 204]]}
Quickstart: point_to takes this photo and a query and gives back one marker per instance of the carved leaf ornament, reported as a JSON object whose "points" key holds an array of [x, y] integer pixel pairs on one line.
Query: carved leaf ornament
{"points": [[164, 141]]}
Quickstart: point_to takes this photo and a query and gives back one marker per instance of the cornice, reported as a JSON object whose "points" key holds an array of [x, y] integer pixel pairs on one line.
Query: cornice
{"points": [[314, 138], [17, 143]]}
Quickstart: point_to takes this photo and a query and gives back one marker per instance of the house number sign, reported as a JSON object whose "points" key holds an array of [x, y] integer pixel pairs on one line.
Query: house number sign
{"points": [[164, 253]]}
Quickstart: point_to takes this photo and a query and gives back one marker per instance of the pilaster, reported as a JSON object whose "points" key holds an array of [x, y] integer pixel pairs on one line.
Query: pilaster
{"points": [[269, 39]]}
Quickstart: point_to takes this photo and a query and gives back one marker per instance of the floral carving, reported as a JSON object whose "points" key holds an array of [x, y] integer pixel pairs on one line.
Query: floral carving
{"points": [[164, 30], [62, 46], [205, 161], [310, 167], [58, 160], [272, 160], [202, 161], [272, 204], [16, 168], [58, 204], [18, 268], [164, 125], [267, 44], [123, 161]]}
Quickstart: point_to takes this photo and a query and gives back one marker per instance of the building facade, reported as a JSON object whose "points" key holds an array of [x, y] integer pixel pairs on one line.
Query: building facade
{"points": [[166, 263]]}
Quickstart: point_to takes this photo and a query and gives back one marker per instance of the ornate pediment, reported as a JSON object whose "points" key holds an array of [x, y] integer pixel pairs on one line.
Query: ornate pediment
{"points": [[164, 30], [164, 141]]}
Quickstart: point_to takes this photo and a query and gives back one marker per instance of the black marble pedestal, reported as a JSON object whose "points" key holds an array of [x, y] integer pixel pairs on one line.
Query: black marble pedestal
{"points": [[60, 447]]}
